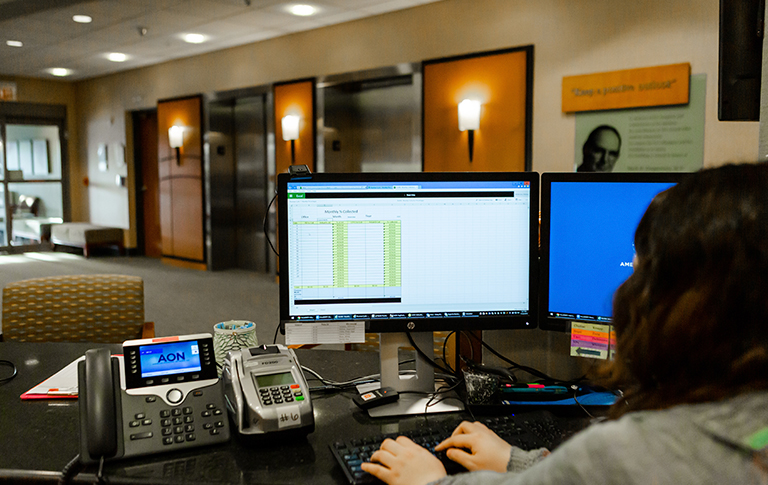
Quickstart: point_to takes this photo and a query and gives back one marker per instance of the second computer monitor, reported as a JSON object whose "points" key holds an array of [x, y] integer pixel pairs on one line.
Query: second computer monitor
{"points": [[588, 223], [409, 251]]}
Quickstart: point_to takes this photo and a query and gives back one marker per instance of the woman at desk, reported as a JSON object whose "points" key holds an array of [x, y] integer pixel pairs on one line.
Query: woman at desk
{"points": [[692, 359]]}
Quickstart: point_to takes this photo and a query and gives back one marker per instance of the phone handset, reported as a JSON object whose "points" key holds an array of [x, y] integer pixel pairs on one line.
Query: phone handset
{"points": [[98, 414]]}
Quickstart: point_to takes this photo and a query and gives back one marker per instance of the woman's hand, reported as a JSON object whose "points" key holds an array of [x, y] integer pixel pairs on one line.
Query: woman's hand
{"points": [[476, 447], [402, 461]]}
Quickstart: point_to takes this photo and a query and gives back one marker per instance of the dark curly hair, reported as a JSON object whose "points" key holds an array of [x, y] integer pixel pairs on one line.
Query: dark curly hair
{"points": [[692, 320]]}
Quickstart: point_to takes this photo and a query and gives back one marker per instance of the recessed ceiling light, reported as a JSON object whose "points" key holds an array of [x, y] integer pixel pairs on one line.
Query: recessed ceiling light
{"points": [[13, 43], [194, 38], [82, 19], [60, 71], [117, 57], [302, 10]]}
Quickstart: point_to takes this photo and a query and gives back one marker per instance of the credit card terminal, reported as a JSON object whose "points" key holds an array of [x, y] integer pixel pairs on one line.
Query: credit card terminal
{"points": [[162, 394], [265, 391]]}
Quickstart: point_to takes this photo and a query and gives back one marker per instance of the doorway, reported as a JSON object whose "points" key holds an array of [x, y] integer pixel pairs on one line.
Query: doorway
{"points": [[33, 174], [148, 238]]}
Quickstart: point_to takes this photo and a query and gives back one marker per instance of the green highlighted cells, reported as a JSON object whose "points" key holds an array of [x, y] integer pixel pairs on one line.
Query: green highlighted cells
{"points": [[340, 240]]}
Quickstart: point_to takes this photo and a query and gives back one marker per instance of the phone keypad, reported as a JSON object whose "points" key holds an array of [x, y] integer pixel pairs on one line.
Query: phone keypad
{"points": [[199, 419], [178, 424]]}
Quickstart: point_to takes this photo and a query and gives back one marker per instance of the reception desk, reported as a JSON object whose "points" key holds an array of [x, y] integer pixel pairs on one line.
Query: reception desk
{"points": [[38, 438]]}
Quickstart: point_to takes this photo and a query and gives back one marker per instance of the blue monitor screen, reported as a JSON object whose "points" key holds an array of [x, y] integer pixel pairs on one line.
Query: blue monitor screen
{"points": [[588, 229], [169, 358]]}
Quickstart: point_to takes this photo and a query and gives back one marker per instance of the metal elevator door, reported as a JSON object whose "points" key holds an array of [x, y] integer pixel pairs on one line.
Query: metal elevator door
{"points": [[238, 184], [250, 183]]}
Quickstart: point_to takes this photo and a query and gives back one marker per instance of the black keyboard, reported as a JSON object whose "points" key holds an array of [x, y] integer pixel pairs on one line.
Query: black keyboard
{"points": [[527, 431]]}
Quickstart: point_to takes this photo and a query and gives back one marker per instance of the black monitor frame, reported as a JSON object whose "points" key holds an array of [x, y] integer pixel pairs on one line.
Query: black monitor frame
{"points": [[545, 321], [419, 324]]}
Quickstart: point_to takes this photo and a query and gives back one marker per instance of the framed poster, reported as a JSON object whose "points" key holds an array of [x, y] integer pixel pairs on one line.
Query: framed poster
{"points": [[12, 151], [40, 161], [661, 139], [25, 157]]}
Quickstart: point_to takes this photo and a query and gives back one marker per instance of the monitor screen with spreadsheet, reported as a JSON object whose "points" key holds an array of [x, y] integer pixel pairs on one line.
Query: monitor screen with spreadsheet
{"points": [[409, 251], [588, 223]]}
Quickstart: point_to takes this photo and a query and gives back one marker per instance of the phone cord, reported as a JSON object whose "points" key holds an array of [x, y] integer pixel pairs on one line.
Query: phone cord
{"points": [[70, 470]]}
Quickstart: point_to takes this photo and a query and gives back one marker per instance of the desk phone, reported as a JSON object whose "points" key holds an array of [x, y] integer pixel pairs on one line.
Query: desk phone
{"points": [[162, 394], [265, 391]]}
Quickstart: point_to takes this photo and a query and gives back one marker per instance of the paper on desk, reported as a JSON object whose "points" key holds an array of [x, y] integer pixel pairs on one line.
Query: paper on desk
{"points": [[61, 385], [324, 333]]}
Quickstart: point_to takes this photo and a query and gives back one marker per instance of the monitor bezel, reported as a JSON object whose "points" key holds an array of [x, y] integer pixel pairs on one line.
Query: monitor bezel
{"points": [[420, 324], [547, 179]]}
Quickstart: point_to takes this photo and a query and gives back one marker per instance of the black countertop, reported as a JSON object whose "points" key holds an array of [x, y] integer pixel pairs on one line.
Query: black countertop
{"points": [[38, 438]]}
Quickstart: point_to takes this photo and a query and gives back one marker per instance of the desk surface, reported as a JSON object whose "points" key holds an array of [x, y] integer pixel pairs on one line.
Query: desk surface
{"points": [[38, 438]]}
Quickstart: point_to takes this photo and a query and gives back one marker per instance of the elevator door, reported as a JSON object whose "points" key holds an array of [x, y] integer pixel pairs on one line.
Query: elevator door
{"points": [[250, 183], [372, 127]]}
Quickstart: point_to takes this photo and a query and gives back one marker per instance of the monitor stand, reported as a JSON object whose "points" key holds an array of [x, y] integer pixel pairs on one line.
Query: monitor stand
{"points": [[413, 388]]}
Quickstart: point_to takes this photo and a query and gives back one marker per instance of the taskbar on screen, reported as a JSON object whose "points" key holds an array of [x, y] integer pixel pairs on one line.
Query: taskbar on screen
{"points": [[581, 317], [404, 316]]}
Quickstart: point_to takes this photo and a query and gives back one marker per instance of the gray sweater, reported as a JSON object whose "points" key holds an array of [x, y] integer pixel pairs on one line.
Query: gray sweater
{"points": [[724, 442]]}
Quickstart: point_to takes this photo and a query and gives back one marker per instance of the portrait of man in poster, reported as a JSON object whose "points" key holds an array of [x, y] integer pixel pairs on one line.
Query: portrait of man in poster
{"points": [[601, 150]]}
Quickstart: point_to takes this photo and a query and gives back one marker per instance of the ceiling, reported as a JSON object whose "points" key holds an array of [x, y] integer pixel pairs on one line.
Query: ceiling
{"points": [[150, 31]]}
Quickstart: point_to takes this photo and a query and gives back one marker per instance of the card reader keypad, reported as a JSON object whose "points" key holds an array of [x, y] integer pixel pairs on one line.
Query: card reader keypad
{"points": [[280, 394]]}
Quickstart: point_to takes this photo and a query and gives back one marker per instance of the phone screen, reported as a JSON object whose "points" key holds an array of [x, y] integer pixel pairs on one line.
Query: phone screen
{"points": [[169, 358]]}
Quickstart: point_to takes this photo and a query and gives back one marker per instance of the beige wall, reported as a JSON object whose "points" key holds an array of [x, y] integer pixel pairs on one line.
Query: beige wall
{"points": [[570, 37]]}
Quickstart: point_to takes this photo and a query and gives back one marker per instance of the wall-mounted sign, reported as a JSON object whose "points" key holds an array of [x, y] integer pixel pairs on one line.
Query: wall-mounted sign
{"points": [[631, 88], [658, 139], [7, 91]]}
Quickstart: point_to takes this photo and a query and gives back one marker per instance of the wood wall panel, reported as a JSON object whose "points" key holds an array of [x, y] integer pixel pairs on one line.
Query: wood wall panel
{"points": [[295, 98], [166, 216], [188, 234], [500, 81], [181, 180]]}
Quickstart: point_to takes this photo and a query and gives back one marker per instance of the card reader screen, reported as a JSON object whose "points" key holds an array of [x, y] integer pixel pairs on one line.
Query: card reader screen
{"points": [[169, 358], [274, 379]]}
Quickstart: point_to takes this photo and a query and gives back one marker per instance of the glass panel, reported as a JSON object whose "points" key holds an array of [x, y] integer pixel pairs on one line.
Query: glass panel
{"points": [[34, 150], [3, 232], [2, 160], [35, 205]]}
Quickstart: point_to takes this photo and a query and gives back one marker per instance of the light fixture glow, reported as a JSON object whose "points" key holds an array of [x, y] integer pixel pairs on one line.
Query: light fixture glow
{"points": [[469, 121], [302, 10], [176, 136], [14, 43], [82, 19], [194, 38], [117, 57], [60, 72], [290, 127], [469, 115]]}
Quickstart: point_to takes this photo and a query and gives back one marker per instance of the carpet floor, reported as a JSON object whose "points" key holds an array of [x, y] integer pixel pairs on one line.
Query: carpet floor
{"points": [[179, 301]]}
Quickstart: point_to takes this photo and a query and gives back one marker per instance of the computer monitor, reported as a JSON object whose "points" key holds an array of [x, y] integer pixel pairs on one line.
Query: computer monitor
{"points": [[588, 223], [409, 252]]}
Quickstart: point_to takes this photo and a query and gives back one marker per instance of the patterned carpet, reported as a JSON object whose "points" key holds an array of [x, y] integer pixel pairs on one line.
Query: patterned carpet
{"points": [[179, 301]]}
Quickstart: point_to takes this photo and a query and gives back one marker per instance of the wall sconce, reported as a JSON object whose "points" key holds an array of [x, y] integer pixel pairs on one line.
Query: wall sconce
{"points": [[469, 120], [291, 133], [176, 140]]}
